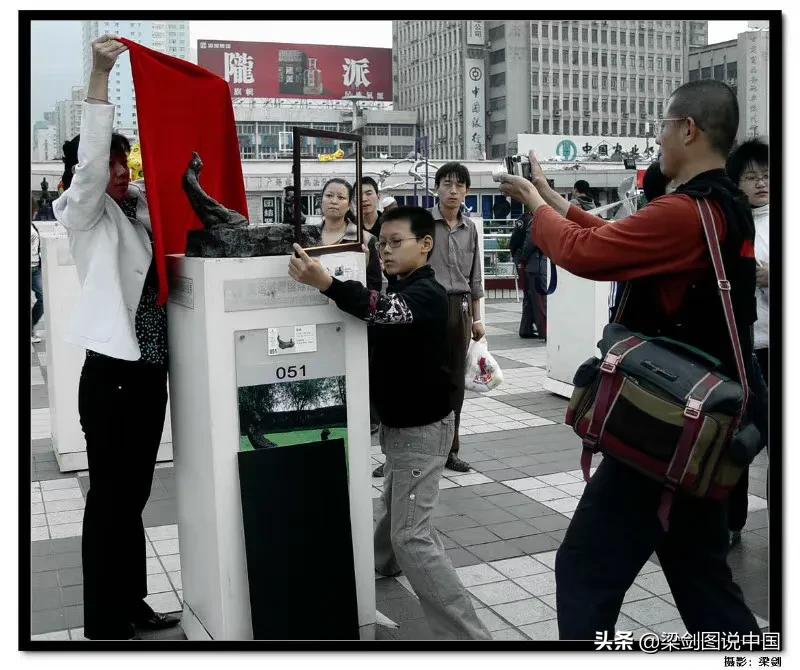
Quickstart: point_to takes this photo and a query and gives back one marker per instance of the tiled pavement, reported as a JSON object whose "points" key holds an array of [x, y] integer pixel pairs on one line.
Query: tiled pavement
{"points": [[501, 522]]}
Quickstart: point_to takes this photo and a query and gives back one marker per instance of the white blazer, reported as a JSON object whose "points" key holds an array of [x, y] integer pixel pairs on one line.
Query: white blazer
{"points": [[112, 254]]}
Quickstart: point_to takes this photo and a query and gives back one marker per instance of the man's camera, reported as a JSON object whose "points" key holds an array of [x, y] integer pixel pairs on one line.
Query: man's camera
{"points": [[518, 165]]}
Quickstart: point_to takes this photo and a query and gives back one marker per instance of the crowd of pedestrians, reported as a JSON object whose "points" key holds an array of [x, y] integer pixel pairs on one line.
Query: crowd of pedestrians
{"points": [[422, 305]]}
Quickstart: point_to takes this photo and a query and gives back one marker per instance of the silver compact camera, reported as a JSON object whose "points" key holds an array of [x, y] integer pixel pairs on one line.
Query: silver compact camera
{"points": [[518, 165]]}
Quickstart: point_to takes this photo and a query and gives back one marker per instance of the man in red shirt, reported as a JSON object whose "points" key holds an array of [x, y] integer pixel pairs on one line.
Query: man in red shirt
{"points": [[661, 250]]}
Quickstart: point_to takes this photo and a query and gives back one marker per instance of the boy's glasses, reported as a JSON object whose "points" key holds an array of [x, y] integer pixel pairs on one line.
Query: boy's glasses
{"points": [[393, 244]]}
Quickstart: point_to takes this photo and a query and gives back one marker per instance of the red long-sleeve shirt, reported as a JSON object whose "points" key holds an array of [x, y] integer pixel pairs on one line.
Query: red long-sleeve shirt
{"points": [[665, 238]]}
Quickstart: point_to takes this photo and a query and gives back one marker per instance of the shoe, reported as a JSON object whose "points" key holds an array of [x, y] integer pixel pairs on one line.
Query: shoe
{"points": [[35, 339], [146, 618], [157, 621], [374, 428], [455, 463], [735, 538], [378, 472], [528, 337]]}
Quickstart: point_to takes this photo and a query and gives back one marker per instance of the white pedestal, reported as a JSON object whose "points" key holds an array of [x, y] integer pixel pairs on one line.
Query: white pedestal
{"points": [[64, 360], [576, 314], [211, 300]]}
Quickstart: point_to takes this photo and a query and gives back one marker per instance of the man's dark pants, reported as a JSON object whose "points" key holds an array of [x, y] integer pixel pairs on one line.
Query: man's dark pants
{"points": [[459, 333], [613, 533], [36, 286], [737, 502], [122, 405], [534, 305]]}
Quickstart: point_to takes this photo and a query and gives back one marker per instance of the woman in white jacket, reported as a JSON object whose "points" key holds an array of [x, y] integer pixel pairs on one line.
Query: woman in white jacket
{"points": [[122, 395], [748, 167]]}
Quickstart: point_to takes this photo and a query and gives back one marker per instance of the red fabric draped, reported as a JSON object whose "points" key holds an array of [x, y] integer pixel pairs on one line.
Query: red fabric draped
{"points": [[183, 108]]}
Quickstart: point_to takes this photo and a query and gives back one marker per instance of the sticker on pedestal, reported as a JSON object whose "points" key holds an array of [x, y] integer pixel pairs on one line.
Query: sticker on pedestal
{"points": [[291, 340]]}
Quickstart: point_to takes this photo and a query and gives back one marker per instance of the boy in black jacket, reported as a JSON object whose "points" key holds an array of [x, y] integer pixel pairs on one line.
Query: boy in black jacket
{"points": [[411, 390]]}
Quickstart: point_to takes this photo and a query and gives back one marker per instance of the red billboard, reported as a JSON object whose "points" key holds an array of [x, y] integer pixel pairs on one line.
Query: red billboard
{"points": [[272, 70]]}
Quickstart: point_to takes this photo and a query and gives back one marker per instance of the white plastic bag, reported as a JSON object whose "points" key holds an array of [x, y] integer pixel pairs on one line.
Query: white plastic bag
{"points": [[483, 373]]}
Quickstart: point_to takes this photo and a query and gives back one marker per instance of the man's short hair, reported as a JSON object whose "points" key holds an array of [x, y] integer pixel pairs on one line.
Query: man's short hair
{"points": [[119, 145], [654, 183], [581, 186], [714, 109], [369, 181], [421, 221], [751, 152], [453, 169]]}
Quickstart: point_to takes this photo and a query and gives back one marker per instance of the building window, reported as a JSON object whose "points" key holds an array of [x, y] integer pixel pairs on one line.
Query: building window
{"points": [[604, 105], [575, 57], [614, 105], [498, 32], [660, 41], [719, 72], [586, 81], [594, 58], [585, 58], [497, 103], [545, 78], [650, 63], [556, 126], [545, 30], [613, 60], [622, 35], [574, 34], [594, 81], [732, 72], [535, 30], [641, 39], [575, 127], [535, 126], [535, 103], [613, 127], [604, 59], [498, 127], [650, 40], [623, 60], [603, 37], [641, 62], [574, 104], [650, 107], [594, 105], [565, 79], [694, 75], [605, 127], [498, 56], [545, 56], [535, 78], [595, 128], [565, 56], [564, 33], [498, 79], [669, 65], [535, 54], [498, 150], [677, 65], [669, 41], [546, 126], [585, 34], [613, 37], [546, 103], [594, 35], [575, 82]]}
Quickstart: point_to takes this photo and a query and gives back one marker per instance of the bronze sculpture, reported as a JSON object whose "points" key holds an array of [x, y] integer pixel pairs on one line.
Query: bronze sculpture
{"points": [[228, 234]]}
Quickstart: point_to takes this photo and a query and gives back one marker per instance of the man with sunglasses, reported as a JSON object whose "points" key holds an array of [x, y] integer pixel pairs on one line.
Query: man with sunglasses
{"points": [[661, 250]]}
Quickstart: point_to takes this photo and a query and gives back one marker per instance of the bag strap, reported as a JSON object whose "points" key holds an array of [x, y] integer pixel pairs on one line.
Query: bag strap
{"points": [[710, 230]]}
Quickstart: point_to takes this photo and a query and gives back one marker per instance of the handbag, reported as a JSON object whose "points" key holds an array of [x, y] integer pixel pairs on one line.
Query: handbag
{"points": [[663, 407]]}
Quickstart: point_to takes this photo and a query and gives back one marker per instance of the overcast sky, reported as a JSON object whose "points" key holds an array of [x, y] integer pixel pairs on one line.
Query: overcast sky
{"points": [[56, 45]]}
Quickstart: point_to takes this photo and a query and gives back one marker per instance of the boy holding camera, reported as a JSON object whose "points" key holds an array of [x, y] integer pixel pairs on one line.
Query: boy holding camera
{"points": [[408, 329]]}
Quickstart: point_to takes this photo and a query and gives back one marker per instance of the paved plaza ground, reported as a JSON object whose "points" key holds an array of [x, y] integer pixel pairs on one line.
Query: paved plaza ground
{"points": [[501, 523]]}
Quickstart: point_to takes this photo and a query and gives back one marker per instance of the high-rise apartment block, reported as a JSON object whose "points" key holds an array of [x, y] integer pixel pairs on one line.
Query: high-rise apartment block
{"points": [[169, 37], [478, 84]]}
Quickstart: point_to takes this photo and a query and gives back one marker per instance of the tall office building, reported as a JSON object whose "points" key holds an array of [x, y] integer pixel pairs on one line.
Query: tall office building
{"points": [[478, 84], [169, 37]]}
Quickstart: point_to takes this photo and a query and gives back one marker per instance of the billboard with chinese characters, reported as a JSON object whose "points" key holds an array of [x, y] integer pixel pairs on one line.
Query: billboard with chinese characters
{"points": [[273, 70], [475, 112], [753, 83]]}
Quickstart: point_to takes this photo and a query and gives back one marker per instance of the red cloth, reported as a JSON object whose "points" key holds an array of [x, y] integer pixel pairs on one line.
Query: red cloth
{"points": [[183, 108]]}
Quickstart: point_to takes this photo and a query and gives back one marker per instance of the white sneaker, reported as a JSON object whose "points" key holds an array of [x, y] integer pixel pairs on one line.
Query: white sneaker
{"points": [[35, 339]]}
